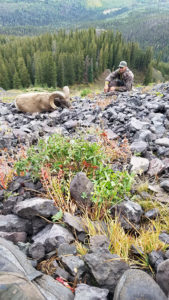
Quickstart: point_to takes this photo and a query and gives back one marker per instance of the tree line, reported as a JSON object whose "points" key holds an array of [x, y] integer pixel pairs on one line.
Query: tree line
{"points": [[66, 58]]}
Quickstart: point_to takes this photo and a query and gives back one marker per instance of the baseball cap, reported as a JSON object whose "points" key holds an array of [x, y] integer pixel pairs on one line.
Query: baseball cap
{"points": [[122, 64]]}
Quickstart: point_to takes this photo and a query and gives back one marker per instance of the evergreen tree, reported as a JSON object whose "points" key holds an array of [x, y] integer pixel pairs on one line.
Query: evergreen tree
{"points": [[23, 73], [61, 71], [66, 57], [90, 71], [4, 78], [148, 75], [49, 69], [16, 81], [38, 68], [69, 69]]}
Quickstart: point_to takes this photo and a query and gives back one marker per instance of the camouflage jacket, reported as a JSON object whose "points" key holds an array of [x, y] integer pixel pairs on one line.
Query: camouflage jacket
{"points": [[127, 78]]}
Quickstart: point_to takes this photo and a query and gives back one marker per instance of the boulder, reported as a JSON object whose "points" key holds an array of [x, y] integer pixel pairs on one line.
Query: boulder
{"points": [[162, 276], [137, 284]]}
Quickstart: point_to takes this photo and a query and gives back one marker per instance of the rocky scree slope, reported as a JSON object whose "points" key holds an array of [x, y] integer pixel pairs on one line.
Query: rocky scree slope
{"points": [[144, 119]]}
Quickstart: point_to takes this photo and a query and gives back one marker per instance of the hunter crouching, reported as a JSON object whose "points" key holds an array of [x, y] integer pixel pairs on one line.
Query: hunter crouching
{"points": [[120, 80]]}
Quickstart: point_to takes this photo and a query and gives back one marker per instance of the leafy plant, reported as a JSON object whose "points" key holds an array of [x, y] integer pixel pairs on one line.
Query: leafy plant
{"points": [[59, 159], [84, 195], [85, 92], [58, 216], [111, 186]]}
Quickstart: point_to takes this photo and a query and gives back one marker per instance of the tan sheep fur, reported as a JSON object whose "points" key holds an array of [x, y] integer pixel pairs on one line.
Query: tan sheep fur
{"points": [[40, 102]]}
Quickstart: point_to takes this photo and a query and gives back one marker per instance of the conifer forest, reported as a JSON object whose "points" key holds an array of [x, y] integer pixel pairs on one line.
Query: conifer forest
{"points": [[56, 59]]}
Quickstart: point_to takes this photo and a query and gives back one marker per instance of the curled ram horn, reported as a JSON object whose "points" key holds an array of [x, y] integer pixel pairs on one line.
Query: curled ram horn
{"points": [[40, 102], [61, 99]]}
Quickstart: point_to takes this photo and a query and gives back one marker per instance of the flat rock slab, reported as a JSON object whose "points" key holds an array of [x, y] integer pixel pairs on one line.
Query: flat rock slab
{"points": [[73, 221], [74, 265], [35, 207], [86, 292], [14, 237], [12, 223], [163, 142]]}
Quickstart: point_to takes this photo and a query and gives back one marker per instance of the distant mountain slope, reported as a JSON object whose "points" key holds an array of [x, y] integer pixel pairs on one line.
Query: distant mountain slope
{"points": [[146, 28], [145, 21], [55, 12]]}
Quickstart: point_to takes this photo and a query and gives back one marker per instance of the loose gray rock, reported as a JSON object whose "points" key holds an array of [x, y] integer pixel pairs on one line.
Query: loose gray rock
{"points": [[136, 124], [106, 268], [37, 251], [66, 249], [52, 236], [14, 237], [139, 164], [74, 265], [156, 167], [164, 237], [53, 290], [99, 241], [128, 210], [152, 214], [165, 185], [163, 142], [13, 260], [34, 207], [16, 286], [86, 292], [138, 147], [155, 258], [167, 254], [136, 284], [74, 222], [162, 276], [81, 188], [11, 223]]}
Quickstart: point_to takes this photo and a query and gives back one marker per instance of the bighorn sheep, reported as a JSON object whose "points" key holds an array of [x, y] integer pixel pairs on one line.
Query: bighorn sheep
{"points": [[40, 102]]}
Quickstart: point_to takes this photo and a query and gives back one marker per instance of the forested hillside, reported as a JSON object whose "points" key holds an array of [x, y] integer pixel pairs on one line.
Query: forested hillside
{"points": [[59, 13], [65, 58], [149, 29], [143, 21]]}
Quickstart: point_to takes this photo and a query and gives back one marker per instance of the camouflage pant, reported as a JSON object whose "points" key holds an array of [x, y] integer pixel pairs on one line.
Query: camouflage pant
{"points": [[115, 82]]}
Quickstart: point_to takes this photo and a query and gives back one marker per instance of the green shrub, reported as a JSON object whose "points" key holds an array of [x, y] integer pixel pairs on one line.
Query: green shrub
{"points": [[85, 92], [72, 156]]}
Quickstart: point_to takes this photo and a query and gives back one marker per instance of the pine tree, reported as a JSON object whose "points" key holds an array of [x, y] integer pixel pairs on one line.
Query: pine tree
{"points": [[16, 81], [23, 72], [49, 69], [148, 75], [4, 76], [38, 68], [90, 71], [61, 71], [69, 69]]}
